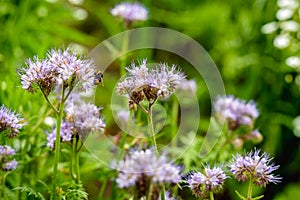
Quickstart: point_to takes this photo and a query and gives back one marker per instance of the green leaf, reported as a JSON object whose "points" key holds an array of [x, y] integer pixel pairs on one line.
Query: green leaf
{"points": [[30, 192]]}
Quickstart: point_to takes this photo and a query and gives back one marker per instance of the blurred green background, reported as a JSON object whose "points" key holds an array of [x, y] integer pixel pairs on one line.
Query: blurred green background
{"points": [[251, 66]]}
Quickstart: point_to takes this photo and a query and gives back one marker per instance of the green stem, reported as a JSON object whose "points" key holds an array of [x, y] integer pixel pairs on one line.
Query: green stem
{"points": [[3, 186], [102, 189], [228, 133], [57, 143], [50, 103], [142, 108], [249, 195], [77, 164], [71, 160], [124, 50], [211, 195], [174, 123], [150, 191], [152, 133]]}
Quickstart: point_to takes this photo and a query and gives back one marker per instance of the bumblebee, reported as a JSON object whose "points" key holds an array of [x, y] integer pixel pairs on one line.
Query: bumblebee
{"points": [[98, 78]]}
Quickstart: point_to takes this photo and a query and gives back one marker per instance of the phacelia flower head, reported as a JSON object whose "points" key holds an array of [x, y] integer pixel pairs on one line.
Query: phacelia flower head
{"points": [[6, 151], [10, 165], [84, 117], [140, 166], [59, 68], [38, 74], [188, 86], [66, 133], [6, 161], [141, 82], [237, 112], [255, 167], [130, 11], [210, 181], [10, 122], [72, 70]]}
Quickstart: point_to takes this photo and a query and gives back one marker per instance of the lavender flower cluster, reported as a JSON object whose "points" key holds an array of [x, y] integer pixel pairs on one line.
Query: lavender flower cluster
{"points": [[210, 181], [130, 12], [10, 122], [6, 161], [255, 167], [235, 111], [59, 68], [142, 167], [238, 114], [251, 166], [141, 82], [81, 119]]}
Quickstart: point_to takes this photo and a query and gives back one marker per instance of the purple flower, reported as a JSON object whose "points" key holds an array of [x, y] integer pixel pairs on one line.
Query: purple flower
{"points": [[130, 11], [140, 166], [72, 70], [6, 152], [237, 112], [11, 165], [188, 86], [10, 122], [255, 167], [38, 74], [160, 82], [61, 67], [210, 181], [66, 133], [168, 196], [85, 117]]}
